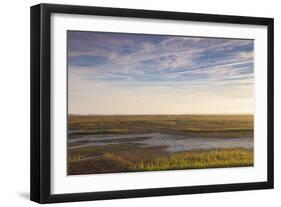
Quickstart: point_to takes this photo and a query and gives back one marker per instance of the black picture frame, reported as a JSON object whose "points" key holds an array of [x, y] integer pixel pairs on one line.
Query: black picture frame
{"points": [[41, 102]]}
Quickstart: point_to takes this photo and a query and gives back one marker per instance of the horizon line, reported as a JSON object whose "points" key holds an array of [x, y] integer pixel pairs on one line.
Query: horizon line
{"points": [[159, 114]]}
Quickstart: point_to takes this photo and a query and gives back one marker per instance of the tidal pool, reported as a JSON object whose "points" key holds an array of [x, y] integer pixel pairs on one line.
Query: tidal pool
{"points": [[173, 143]]}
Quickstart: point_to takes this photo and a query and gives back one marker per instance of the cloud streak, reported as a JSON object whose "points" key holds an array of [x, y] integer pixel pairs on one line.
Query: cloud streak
{"points": [[178, 67]]}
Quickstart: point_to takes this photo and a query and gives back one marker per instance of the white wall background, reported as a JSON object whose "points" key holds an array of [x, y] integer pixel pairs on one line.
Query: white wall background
{"points": [[14, 104]]}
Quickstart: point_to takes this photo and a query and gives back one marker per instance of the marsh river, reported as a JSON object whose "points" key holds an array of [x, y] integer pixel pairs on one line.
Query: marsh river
{"points": [[173, 143]]}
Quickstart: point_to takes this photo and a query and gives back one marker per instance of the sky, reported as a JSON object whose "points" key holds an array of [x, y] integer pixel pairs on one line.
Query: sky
{"points": [[118, 73]]}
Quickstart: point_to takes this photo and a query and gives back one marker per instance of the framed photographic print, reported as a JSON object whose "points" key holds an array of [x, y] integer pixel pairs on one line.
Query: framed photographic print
{"points": [[133, 103]]}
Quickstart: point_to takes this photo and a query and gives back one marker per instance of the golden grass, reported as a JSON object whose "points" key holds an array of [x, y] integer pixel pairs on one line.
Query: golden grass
{"points": [[116, 162], [200, 159], [74, 157]]}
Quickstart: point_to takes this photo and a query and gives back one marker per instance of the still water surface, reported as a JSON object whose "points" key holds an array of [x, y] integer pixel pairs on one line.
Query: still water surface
{"points": [[173, 143]]}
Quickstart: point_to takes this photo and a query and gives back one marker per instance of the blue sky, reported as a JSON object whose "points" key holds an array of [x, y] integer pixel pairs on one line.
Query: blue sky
{"points": [[115, 73]]}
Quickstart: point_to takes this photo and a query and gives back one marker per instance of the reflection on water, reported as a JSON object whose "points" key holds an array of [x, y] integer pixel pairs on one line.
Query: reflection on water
{"points": [[174, 143]]}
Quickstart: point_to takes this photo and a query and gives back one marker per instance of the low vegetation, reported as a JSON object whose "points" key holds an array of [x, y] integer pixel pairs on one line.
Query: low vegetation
{"points": [[110, 162], [125, 155], [200, 159], [189, 125]]}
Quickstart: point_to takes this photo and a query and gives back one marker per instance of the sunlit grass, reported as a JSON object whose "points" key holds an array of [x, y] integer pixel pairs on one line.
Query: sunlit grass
{"points": [[74, 157], [199, 159], [114, 162]]}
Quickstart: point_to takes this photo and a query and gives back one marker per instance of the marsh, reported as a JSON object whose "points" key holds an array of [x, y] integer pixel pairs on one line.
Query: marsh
{"points": [[134, 143]]}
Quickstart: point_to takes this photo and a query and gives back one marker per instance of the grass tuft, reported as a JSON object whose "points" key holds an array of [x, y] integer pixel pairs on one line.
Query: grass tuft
{"points": [[74, 157]]}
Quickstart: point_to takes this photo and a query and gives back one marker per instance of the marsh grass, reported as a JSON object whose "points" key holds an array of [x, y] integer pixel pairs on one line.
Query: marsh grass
{"points": [[116, 162], [199, 159], [189, 125], [74, 157]]}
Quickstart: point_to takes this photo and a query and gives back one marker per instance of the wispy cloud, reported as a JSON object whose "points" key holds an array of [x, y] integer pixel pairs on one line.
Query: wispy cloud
{"points": [[138, 63]]}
